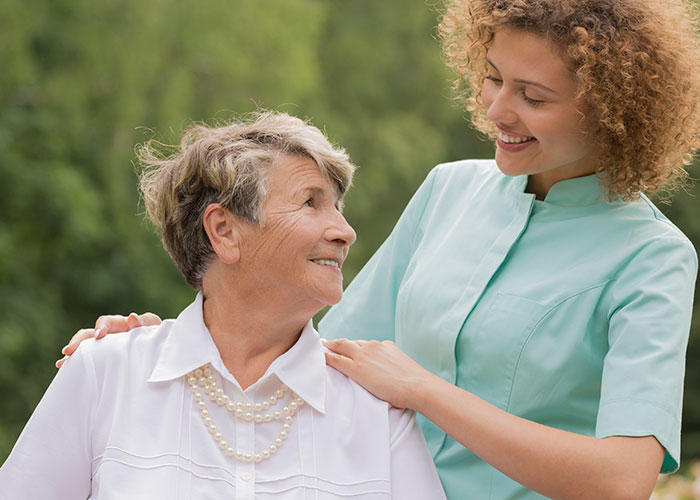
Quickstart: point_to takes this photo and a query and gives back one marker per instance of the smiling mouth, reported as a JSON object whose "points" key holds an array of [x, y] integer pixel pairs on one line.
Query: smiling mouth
{"points": [[326, 262], [512, 139]]}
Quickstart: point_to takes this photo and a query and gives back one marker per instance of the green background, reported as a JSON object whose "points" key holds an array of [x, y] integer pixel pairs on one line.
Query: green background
{"points": [[82, 82]]}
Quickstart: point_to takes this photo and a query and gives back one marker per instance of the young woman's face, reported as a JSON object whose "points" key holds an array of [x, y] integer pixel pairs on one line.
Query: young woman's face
{"points": [[529, 94]]}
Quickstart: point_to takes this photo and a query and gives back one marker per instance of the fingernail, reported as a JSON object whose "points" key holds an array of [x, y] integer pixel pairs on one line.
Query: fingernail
{"points": [[63, 351], [58, 363], [97, 332], [133, 314]]}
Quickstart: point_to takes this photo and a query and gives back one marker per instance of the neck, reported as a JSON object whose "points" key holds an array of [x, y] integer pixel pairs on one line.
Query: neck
{"points": [[249, 331]]}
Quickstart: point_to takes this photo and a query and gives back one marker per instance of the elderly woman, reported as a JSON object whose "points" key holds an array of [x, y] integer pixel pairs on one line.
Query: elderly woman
{"points": [[233, 399], [545, 300]]}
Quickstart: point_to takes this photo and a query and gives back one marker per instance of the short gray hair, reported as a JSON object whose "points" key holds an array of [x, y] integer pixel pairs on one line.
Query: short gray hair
{"points": [[227, 165]]}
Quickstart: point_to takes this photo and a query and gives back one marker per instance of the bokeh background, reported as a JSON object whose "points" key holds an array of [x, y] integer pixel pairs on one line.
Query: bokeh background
{"points": [[82, 82]]}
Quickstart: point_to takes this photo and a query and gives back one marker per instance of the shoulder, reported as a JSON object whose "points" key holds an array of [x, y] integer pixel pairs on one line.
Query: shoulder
{"points": [[646, 230], [466, 172], [345, 396], [136, 349]]}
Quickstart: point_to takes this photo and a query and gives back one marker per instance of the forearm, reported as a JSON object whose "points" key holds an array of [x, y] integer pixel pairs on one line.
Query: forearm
{"points": [[555, 463]]}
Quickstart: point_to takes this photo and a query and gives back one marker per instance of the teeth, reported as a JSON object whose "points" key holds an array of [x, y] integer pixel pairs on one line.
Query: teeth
{"points": [[325, 262], [512, 140]]}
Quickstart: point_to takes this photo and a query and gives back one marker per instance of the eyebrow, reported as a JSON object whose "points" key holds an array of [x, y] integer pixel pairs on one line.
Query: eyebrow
{"points": [[315, 191], [525, 82]]}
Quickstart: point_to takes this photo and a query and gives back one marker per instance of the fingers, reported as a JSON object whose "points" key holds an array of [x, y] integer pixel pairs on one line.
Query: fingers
{"points": [[60, 362], [339, 362], [112, 323], [345, 347], [150, 319]]}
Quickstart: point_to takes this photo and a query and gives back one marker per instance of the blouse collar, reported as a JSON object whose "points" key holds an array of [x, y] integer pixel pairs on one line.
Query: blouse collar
{"points": [[189, 346]]}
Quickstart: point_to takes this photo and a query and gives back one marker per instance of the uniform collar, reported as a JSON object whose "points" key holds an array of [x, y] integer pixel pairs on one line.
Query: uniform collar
{"points": [[576, 192], [189, 345]]}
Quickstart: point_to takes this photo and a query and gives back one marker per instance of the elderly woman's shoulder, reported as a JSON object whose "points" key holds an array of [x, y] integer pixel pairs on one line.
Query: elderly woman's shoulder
{"points": [[135, 346]]}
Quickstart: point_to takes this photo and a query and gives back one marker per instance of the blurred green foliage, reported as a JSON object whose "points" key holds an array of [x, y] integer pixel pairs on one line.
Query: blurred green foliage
{"points": [[83, 82]]}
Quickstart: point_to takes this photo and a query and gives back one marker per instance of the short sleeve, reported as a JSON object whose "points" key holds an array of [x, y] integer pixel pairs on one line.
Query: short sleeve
{"points": [[53, 455], [367, 310], [413, 473], [643, 371]]}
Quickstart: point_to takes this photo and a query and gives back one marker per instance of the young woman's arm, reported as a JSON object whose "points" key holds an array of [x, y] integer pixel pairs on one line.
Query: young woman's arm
{"points": [[555, 463]]}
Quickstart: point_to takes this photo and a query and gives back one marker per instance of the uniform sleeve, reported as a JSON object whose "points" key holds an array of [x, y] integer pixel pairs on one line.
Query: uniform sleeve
{"points": [[53, 456], [642, 385], [367, 309], [413, 473]]}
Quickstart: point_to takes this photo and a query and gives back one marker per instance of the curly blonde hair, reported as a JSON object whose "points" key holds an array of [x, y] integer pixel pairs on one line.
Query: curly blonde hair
{"points": [[227, 165], [636, 64]]}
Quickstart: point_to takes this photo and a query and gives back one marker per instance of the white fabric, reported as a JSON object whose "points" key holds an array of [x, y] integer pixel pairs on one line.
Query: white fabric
{"points": [[120, 422]]}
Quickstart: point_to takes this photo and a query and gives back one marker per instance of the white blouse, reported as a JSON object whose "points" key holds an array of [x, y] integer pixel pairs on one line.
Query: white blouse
{"points": [[120, 421]]}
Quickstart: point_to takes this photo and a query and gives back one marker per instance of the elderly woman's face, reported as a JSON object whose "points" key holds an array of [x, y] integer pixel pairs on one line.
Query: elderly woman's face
{"points": [[529, 94], [297, 252]]}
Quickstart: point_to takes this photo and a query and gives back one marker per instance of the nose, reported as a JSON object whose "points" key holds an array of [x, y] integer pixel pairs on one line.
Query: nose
{"points": [[499, 108], [340, 232]]}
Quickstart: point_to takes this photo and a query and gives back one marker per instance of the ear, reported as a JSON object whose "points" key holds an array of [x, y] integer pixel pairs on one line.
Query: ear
{"points": [[222, 229]]}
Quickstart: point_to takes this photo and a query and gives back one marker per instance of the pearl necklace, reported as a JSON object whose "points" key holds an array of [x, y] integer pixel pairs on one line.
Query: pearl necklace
{"points": [[245, 411]]}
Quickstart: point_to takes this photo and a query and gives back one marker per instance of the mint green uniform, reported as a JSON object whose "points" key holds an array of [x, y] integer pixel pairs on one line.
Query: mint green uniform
{"points": [[573, 312]]}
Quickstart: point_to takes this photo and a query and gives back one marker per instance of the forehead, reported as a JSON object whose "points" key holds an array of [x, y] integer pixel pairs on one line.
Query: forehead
{"points": [[528, 56], [292, 175]]}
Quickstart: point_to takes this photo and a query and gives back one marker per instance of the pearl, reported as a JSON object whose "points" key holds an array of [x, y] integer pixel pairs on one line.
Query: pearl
{"points": [[247, 411]]}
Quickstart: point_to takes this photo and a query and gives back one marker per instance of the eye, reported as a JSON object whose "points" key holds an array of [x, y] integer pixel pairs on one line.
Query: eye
{"points": [[309, 203], [530, 100], [493, 79]]}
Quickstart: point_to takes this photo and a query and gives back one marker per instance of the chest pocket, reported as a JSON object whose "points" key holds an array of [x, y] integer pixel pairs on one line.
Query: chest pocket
{"points": [[491, 342]]}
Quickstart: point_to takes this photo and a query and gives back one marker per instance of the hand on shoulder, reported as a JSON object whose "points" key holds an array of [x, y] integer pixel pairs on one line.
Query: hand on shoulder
{"points": [[111, 323]]}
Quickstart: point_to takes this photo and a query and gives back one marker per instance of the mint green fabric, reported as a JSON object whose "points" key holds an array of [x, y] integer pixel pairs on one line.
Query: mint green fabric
{"points": [[573, 311]]}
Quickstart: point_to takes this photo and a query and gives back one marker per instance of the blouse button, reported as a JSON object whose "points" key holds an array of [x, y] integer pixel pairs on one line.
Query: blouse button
{"points": [[246, 476]]}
